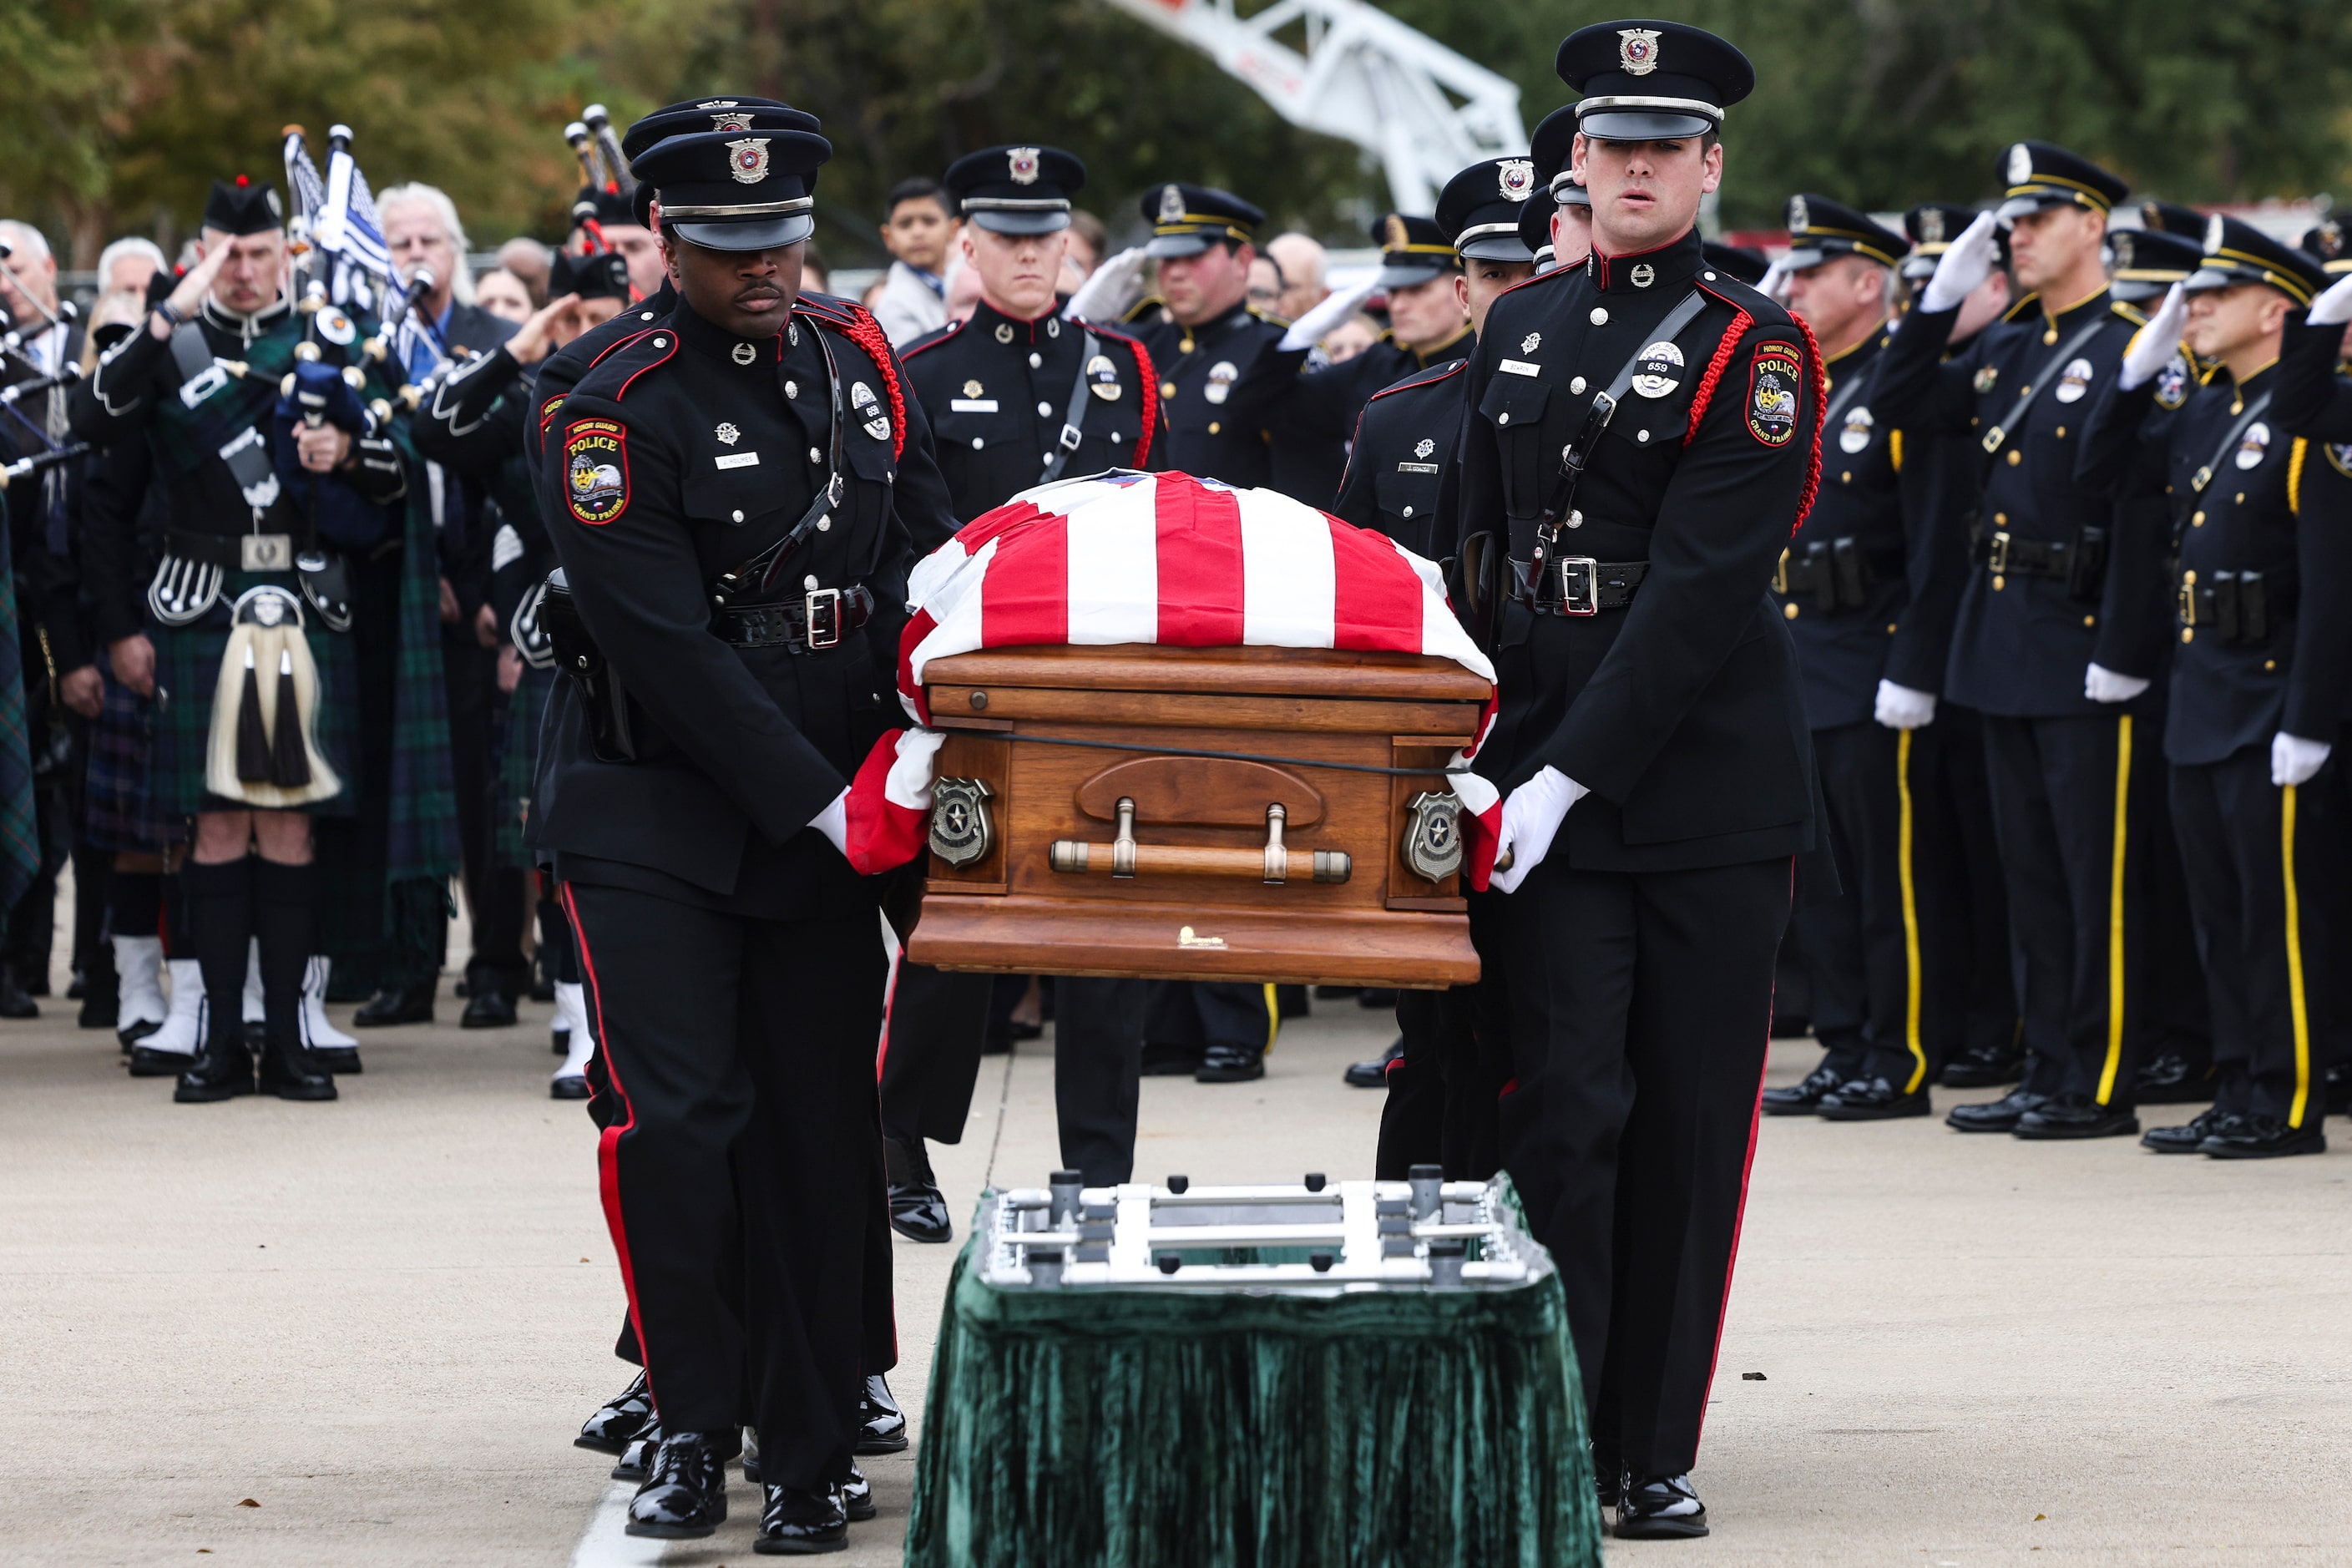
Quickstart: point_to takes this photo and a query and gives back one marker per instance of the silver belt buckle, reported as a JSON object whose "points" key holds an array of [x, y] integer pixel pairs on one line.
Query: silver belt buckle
{"points": [[824, 602], [265, 552], [1573, 600]]}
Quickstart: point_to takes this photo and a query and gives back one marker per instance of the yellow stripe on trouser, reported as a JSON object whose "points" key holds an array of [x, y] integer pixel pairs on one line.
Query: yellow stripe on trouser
{"points": [[1272, 1015], [1910, 914], [2295, 963], [2115, 911]]}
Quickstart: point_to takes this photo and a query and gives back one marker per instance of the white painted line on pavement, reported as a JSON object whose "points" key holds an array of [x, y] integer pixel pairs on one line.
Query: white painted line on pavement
{"points": [[605, 1543]]}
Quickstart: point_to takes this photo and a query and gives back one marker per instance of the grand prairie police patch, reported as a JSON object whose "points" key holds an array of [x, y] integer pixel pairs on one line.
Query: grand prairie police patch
{"points": [[596, 469], [1773, 378]]}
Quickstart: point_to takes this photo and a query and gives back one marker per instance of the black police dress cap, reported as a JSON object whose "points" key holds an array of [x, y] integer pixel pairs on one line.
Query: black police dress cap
{"points": [[1821, 229], [2171, 217], [2147, 261], [1187, 219], [1748, 266], [2039, 176], [1016, 190], [727, 191], [603, 276], [1932, 226], [243, 207], [1651, 81], [736, 114], [1414, 251], [1550, 149], [1535, 230], [1479, 210], [2328, 241], [2238, 252]]}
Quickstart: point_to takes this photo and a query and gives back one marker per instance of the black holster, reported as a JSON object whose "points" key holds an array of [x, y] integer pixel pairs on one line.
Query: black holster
{"points": [[598, 685], [2086, 564]]}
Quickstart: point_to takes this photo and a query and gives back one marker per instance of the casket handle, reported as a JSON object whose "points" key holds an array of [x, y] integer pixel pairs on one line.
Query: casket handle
{"points": [[1127, 859]]}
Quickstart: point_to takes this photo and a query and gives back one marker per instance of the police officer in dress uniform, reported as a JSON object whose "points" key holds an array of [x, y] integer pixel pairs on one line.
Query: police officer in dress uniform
{"points": [[2314, 393], [2262, 565], [738, 485], [1018, 396], [1642, 442], [2072, 780], [1403, 480], [1845, 586]]}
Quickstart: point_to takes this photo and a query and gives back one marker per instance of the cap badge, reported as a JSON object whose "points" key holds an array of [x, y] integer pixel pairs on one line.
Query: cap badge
{"points": [[717, 104], [1643, 275], [747, 160], [740, 120], [1424, 448], [1801, 217], [1394, 235], [1531, 342], [1931, 226], [728, 434], [1023, 163], [2214, 231], [2121, 244], [742, 353], [2020, 164], [1637, 50], [1658, 369], [1516, 177], [1171, 205]]}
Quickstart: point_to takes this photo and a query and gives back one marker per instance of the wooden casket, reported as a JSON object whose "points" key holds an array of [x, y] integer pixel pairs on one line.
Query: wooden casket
{"points": [[1199, 813]]}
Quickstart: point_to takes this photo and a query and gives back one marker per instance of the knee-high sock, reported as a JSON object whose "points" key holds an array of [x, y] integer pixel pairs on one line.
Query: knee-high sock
{"points": [[219, 901], [283, 919], [172, 914], [134, 903]]}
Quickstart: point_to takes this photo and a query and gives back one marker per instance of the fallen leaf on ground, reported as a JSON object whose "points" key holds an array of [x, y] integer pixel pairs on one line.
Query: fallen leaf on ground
{"points": [[1753, 1378], [246, 1502]]}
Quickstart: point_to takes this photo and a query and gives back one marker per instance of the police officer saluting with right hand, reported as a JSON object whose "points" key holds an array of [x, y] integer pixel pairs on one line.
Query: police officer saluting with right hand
{"points": [[739, 486]]}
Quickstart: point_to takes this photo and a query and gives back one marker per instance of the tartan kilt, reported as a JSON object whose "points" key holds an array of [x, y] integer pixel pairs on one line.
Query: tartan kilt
{"points": [[187, 667], [518, 764], [118, 817]]}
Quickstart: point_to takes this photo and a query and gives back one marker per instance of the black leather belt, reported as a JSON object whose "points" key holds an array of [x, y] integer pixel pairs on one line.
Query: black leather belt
{"points": [[2079, 563], [812, 623], [234, 552], [2238, 606], [1586, 587], [1839, 574]]}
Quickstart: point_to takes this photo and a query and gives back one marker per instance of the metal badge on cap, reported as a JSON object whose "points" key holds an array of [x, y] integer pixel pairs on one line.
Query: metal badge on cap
{"points": [[1637, 50], [1021, 165], [1516, 177], [747, 160], [1171, 205]]}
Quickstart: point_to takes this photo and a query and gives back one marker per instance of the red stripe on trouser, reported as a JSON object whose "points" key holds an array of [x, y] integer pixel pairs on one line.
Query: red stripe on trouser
{"points": [[1746, 1169], [1197, 533], [608, 1146]]}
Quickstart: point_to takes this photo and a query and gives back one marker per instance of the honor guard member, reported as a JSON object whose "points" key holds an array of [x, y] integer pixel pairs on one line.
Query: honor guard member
{"points": [[2262, 570], [1400, 479], [739, 488], [2147, 262], [1018, 396], [2071, 784], [2314, 393], [1845, 584], [1557, 227], [250, 614], [1642, 442]]}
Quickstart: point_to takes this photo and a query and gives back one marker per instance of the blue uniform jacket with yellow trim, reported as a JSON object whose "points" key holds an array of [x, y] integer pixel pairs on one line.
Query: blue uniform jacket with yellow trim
{"points": [[1226, 387], [1400, 477], [1682, 712], [2315, 394], [2264, 531], [684, 453], [2022, 640]]}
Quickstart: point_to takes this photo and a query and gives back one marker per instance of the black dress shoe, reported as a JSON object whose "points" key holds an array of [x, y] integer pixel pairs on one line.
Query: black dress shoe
{"points": [[292, 1072], [620, 1420], [918, 1210], [1014, 1029], [2337, 1092], [1803, 1099], [2190, 1135], [2260, 1137], [100, 1008], [487, 1009], [858, 1495], [146, 1063], [1659, 1508], [1374, 1074], [634, 1458], [397, 1004], [131, 1034], [1230, 1064], [571, 1086], [1994, 1115], [750, 1456], [2170, 1078], [684, 1496], [1170, 1061], [1608, 1481], [14, 1001], [222, 1071], [1983, 1067], [343, 1061], [801, 1521], [2065, 1116], [881, 1425], [1873, 1099]]}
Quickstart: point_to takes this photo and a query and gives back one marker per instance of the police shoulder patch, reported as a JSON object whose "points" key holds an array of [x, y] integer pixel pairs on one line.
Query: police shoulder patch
{"points": [[596, 469], [2339, 457], [1774, 376]]}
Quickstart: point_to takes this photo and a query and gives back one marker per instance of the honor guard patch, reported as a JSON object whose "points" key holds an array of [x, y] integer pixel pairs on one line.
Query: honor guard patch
{"points": [[1102, 378], [546, 412], [1773, 378], [2172, 383], [596, 469]]}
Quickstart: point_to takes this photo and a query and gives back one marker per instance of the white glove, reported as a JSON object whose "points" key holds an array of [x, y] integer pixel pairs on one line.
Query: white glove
{"points": [[1901, 708], [1316, 325], [2334, 306], [1531, 817], [1964, 267], [833, 822], [2293, 759], [1112, 289], [1774, 284], [2158, 341], [2101, 684]]}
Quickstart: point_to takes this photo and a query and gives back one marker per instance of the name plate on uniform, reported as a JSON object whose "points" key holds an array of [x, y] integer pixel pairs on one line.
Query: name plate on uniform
{"points": [[739, 460], [1519, 367], [972, 405], [1416, 468], [266, 553]]}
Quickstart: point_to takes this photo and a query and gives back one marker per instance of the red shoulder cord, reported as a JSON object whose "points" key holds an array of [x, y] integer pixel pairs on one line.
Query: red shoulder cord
{"points": [[1740, 322], [1820, 403], [1150, 407]]}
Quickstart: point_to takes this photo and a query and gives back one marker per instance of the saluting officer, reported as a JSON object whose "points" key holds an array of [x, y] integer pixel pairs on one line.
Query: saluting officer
{"points": [[1018, 396], [2071, 784], [2258, 680], [1649, 684], [1845, 584], [1402, 479], [2315, 391], [740, 488]]}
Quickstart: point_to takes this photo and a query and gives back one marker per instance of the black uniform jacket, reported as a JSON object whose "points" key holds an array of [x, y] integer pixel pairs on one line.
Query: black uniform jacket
{"points": [[48, 610], [1225, 387], [1939, 475], [1681, 712], [2023, 638], [2259, 557], [1330, 399], [683, 453], [1860, 561], [560, 372], [2315, 394], [1401, 476], [1000, 391]]}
